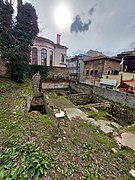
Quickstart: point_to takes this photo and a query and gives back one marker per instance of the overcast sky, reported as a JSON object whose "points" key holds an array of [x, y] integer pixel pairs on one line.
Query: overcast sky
{"points": [[104, 25]]}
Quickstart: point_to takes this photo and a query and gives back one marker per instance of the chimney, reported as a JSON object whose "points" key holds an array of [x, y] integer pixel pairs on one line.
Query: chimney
{"points": [[58, 39]]}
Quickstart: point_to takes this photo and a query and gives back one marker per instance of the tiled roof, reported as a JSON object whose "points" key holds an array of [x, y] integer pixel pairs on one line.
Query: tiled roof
{"points": [[130, 83], [101, 57], [128, 53]]}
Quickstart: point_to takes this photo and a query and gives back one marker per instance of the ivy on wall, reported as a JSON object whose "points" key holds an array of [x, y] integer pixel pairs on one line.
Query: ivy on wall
{"points": [[44, 70]]}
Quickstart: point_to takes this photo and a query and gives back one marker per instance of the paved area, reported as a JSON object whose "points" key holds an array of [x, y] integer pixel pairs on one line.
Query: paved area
{"points": [[74, 113]]}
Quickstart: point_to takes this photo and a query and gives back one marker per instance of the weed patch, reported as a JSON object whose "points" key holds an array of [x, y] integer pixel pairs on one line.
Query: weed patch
{"points": [[87, 175], [69, 169], [25, 162], [86, 151], [99, 136]]}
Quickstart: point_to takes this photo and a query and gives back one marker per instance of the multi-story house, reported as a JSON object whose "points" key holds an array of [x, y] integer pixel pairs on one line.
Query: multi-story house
{"points": [[47, 53], [101, 65], [75, 65], [128, 58]]}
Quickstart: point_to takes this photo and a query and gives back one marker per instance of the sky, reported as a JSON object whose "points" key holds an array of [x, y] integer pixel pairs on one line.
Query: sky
{"points": [[107, 26]]}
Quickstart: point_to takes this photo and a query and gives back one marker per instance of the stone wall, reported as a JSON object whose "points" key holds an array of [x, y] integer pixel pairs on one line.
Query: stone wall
{"points": [[83, 99], [51, 78], [54, 85], [111, 66], [124, 99], [58, 72], [102, 66], [80, 98], [3, 68], [36, 82], [49, 72]]}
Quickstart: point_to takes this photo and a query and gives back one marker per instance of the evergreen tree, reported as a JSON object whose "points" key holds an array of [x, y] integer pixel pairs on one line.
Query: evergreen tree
{"points": [[16, 40], [25, 30], [6, 24]]}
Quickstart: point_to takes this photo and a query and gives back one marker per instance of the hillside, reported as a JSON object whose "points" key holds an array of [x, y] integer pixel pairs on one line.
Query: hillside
{"points": [[35, 146]]}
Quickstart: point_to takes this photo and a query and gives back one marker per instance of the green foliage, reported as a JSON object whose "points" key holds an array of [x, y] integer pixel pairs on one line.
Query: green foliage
{"points": [[26, 27], [6, 22], [7, 86], [87, 175], [99, 136], [86, 146], [65, 147], [133, 163], [86, 153], [101, 115], [42, 69], [26, 162], [131, 128], [16, 40], [18, 70], [25, 31], [69, 169]]}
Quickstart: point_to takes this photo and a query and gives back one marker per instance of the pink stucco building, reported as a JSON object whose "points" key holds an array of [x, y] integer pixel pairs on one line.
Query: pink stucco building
{"points": [[47, 53]]}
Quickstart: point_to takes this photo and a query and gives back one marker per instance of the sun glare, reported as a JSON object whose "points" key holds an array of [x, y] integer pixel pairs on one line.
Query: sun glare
{"points": [[62, 16]]}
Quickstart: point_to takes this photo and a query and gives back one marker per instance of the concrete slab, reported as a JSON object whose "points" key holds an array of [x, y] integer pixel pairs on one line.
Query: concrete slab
{"points": [[127, 139], [132, 172], [106, 129], [105, 126], [103, 122], [74, 113], [116, 125], [93, 122]]}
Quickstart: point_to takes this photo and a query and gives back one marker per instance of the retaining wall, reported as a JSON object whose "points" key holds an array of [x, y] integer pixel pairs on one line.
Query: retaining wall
{"points": [[54, 85], [115, 96]]}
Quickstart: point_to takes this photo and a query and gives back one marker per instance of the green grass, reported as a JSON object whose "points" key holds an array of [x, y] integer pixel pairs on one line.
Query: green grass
{"points": [[99, 136], [30, 148], [131, 128], [101, 115]]}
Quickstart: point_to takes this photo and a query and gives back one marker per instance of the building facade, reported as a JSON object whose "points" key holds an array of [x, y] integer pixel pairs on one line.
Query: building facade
{"points": [[76, 65], [47, 53], [128, 64], [101, 65]]}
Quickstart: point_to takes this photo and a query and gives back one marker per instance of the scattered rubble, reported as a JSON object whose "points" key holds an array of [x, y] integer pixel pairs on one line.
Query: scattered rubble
{"points": [[62, 107], [105, 126]]}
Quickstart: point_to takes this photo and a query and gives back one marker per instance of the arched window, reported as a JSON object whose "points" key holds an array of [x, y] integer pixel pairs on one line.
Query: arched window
{"points": [[43, 57], [51, 58], [34, 56]]}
